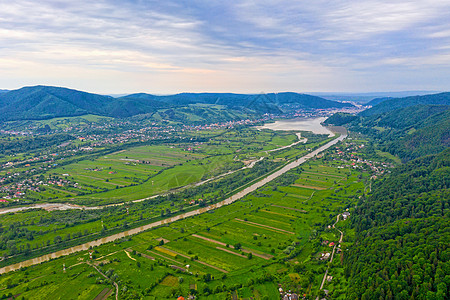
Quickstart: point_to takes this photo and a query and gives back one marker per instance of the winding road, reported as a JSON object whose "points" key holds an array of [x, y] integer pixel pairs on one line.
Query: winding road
{"points": [[231, 199]]}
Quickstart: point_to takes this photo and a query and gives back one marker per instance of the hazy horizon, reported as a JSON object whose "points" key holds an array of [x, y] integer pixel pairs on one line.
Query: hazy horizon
{"points": [[319, 94]]}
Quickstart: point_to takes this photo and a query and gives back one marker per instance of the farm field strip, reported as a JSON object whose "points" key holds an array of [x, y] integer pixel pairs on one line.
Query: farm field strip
{"points": [[296, 209], [206, 253], [322, 174], [243, 249], [296, 190], [259, 254], [297, 196], [103, 294], [262, 217], [276, 213], [142, 254], [210, 240], [264, 226], [198, 261], [309, 187], [316, 181], [165, 257], [231, 252], [165, 251]]}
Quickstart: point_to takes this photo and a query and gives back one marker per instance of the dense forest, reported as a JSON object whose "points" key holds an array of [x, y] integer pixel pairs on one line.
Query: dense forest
{"points": [[402, 227], [46, 102], [401, 249], [408, 133], [396, 103]]}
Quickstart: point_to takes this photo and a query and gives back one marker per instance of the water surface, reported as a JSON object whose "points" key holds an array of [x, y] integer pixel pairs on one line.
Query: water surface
{"points": [[300, 124]]}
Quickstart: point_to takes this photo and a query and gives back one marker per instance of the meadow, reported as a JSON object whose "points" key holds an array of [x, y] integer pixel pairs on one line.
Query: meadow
{"points": [[35, 232], [143, 171], [272, 238]]}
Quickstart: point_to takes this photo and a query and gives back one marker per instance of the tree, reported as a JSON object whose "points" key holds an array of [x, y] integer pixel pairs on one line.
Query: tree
{"points": [[57, 239], [207, 277]]}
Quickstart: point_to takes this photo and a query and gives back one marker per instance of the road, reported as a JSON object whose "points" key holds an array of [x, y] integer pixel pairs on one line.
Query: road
{"points": [[233, 198], [332, 254]]}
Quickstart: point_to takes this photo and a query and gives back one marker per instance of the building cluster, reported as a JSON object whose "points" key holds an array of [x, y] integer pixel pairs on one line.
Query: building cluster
{"points": [[348, 153], [288, 295], [17, 190]]}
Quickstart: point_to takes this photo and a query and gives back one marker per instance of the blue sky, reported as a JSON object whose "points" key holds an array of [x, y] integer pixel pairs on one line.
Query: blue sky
{"points": [[226, 46]]}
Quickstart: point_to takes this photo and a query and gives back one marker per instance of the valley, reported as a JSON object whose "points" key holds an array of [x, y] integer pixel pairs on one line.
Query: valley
{"points": [[137, 209]]}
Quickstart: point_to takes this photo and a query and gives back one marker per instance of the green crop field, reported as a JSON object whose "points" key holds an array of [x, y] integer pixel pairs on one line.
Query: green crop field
{"points": [[143, 171], [278, 226]]}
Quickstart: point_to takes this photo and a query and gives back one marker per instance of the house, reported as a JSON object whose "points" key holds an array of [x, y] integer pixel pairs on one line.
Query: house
{"points": [[331, 244], [345, 215], [325, 256]]}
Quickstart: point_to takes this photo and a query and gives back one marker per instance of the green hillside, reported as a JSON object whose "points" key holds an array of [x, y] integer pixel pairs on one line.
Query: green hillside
{"points": [[396, 103], [46, 102], [408, 132], [258, 102], [340, 119], [401, 249]]}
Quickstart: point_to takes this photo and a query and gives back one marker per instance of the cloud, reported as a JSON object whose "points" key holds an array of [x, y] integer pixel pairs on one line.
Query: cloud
{"points": [[278, 43]]}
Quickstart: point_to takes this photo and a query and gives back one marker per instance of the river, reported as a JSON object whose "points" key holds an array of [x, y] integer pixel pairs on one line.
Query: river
{"points": [[301, 124], [227, 201]]}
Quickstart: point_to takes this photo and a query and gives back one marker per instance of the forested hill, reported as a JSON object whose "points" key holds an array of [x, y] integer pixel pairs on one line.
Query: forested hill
{"points": [[45, 102], [408, 132], [396, 103], [401, 248], [377, 101], [262, 101]]}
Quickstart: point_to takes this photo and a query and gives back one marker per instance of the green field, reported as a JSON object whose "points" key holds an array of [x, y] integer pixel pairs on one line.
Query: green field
{"points": [[281, 225], [143, 171]]}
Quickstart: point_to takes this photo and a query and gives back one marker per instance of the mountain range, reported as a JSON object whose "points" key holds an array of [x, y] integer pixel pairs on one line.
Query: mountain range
{"points": [[365, 98], [382, 105], [408, 127], [45, 102]]}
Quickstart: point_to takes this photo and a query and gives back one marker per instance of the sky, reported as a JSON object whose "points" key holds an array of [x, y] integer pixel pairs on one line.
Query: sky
{"points": [[242, 46]]}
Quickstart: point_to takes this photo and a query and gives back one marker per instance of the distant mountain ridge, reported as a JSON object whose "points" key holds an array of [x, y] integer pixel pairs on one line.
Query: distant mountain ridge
{"points": [[243, 100], [377, 101], [44, 102], [365, 98], [396, 103]]}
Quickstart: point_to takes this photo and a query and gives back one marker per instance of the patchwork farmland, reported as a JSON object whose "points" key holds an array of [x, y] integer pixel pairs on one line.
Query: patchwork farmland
{"points": [[276, 233]]}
